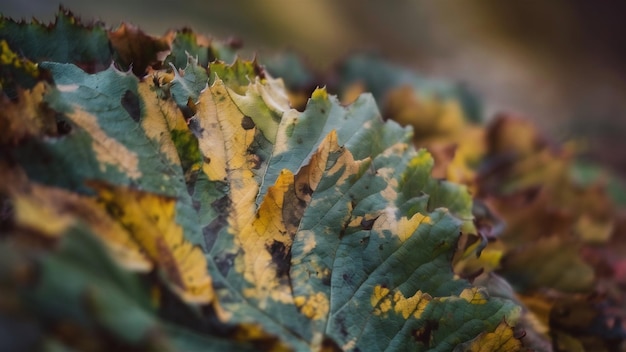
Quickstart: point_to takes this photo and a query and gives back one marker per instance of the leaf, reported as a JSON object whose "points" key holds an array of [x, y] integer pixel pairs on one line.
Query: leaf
{"points": [[149, 219], [65, 41], [381, 78], [26, 116], [268, 227], [15, 71], [134, 49], [117, 304]]}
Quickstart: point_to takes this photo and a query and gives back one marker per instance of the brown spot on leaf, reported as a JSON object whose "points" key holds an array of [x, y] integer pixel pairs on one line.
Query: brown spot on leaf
{"points": [[130, 103], [368, 224], [247, 123], [281, 257], [424, 334]]}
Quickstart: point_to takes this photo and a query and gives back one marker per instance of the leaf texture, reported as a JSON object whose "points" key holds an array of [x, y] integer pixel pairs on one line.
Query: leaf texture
{"points": [[231, 218]]}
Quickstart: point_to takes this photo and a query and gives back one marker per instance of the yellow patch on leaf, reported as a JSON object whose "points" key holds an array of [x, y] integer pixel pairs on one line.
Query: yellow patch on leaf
{"points": [[51, 211], [473, 295], [26, 116], [267, 239], [414, 305], [36, 211], [345, 163], [150, 220], [379, 293], [384, 300], [407, 227], [224, 142], [501, 340], [160, 118], [9, 58], [107, 149], [262, 236], [314, 307]]}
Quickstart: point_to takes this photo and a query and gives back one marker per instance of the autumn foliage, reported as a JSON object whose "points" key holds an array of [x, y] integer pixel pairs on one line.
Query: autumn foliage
{"points": [[160, 193]]}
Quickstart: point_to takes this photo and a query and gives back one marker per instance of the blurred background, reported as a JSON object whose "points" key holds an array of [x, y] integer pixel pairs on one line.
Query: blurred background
{"points": [[560, 63]]}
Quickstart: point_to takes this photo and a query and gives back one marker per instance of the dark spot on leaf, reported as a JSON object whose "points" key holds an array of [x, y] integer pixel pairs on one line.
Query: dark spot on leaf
{"points": [[299, 140], [187, 112], [194, 127], [114, 210], [191, 176], [305, 188], [206, 160], [281, 256], [330, 345], [341, 322], [424, 334], [224, 261], [323, 111], [380, 247], [365, 241], [221, 205], [247, 123], [63, 128], [326, 279], [368, 224], [130, 102], [196, 205], [210, 232]]}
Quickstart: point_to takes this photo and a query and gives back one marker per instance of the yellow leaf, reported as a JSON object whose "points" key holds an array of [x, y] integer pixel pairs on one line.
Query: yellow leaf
{"points": [[150, 220], [51, 211], [161, 117]]}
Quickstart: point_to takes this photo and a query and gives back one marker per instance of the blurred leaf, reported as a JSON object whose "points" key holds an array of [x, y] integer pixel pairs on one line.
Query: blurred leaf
{"points": [[381, 78], [134, 49], [15, 72], [149, 220], [240, 223], [26, 116], [68, 40], [309, 221]]}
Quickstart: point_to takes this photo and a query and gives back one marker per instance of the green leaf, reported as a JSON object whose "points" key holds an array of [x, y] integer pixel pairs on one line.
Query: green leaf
{"points": [[79, 285], [320, 228], [65, 41]]}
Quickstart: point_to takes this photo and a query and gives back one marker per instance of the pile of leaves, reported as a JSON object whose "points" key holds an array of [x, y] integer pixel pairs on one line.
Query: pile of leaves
{"points": [[159, 193]]}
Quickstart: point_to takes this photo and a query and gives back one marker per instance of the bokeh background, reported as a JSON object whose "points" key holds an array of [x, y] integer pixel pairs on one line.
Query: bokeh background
{"points": [[561, 63]]}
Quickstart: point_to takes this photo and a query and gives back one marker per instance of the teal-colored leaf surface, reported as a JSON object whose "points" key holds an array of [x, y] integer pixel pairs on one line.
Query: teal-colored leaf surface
{"points": [[319, 228], [66, 41]]}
